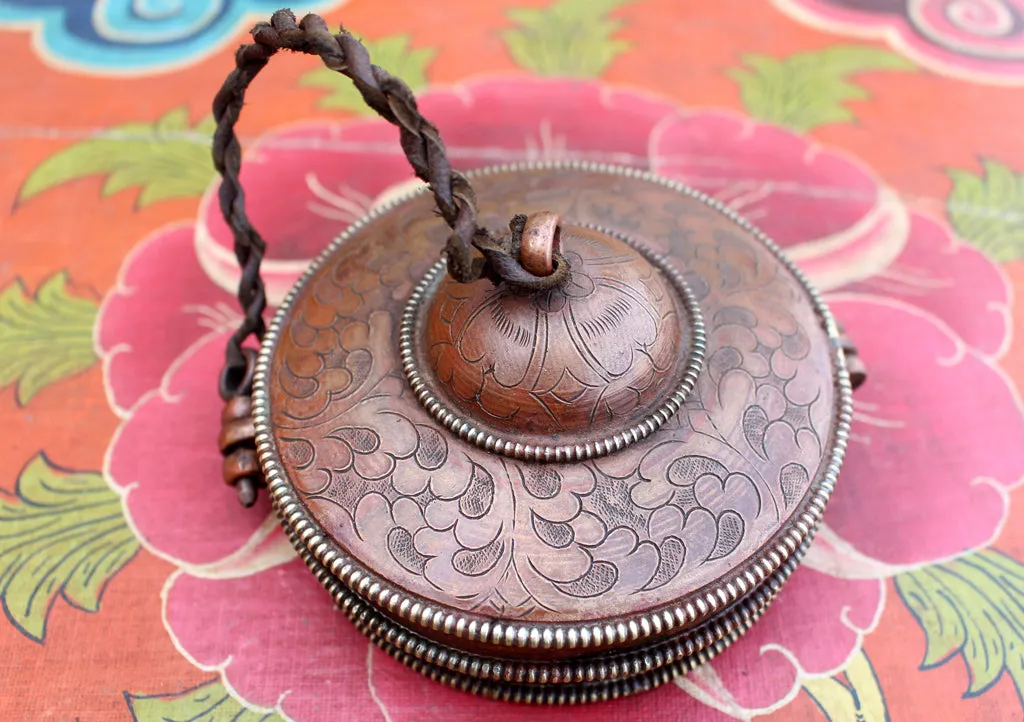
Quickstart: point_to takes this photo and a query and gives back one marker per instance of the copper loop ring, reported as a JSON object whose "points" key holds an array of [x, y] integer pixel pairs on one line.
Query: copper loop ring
{"points": [[540, 241]]}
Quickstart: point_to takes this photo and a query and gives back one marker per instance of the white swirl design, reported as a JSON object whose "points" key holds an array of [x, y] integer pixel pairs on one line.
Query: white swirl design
{"points": [[987, 29]]}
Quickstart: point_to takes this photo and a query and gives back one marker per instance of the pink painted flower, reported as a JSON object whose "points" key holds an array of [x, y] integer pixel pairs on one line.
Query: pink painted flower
{"points": [[977, 40], [928, 312]]}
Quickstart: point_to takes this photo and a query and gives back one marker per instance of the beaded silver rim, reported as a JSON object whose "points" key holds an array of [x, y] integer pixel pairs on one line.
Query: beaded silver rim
{"points": [[588, 681], [604, 668], [431, 399], [575, 694], [420, 612]]}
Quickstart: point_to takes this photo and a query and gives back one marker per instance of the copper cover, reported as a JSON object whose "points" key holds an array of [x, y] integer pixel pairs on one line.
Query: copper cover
{"points": [[559, 496]]}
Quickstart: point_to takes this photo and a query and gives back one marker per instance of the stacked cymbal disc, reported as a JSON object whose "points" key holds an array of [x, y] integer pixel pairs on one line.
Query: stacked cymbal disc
{"points": [[565, 495]]}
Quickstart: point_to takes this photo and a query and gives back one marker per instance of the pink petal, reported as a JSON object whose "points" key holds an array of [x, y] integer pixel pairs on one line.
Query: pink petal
{"points": [[165, 455], [162, 304], [830, 212], [280, 639], [817, 619], [304, 183], [932, 423], [515, 119], [949, 279]]}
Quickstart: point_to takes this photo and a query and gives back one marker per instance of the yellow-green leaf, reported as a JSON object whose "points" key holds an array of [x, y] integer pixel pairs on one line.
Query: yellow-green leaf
{"points": [[988, 209], [972, 607], [568, 37], [165, 159], [43, 338], [208, 702], [392, 53], [63, 535], [854, 696], [809, 89]]}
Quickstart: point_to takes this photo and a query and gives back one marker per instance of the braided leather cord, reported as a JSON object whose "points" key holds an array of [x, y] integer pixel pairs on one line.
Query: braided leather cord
{"points": [[392, 99]]}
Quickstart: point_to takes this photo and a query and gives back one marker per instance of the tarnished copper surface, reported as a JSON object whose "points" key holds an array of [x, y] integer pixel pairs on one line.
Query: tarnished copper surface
{"points": [[855, 366], [587, 359], [479, 534], [237, 441], [540, 239]]}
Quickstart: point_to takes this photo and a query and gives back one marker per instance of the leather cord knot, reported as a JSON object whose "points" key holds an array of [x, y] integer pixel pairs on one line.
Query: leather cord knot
{"points": [[472, 251]]}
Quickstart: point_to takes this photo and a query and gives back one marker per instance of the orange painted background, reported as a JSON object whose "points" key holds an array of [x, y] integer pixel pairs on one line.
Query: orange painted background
{"points": [[909, 128]]}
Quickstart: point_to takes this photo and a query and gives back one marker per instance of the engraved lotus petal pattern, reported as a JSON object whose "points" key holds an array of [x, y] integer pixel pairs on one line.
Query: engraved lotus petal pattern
{"points": [[573, 373], [596, 352], [460, 528]]}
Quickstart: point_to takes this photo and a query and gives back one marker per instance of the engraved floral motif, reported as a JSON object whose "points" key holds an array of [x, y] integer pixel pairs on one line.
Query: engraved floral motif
{"points": [[595, 353], [650, 529]]}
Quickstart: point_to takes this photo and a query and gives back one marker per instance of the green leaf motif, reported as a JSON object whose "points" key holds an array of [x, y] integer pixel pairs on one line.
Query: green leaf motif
{"points": [[853, 696], [63, 534], [972, 607], [988, 209], [208, 702], [392, 53], [166, 159], [43, 338], [809, 89], [569, 37]]}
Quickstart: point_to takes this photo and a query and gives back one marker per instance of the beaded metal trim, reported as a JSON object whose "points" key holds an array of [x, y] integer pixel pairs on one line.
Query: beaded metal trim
{"points": [[601, 668], [466, 429], [573, 682], [423, 613], [563, 694]]}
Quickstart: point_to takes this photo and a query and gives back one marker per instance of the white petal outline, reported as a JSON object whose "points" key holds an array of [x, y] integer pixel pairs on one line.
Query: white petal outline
{"points": [[121, 290], [222, 667], [369, 682], [1002, 488], [720, 698], [229, 565], [954, 246], [736, 710]]}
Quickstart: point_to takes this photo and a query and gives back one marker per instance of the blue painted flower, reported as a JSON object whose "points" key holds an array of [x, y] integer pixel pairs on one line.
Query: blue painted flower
{"points": [[135, 36]]}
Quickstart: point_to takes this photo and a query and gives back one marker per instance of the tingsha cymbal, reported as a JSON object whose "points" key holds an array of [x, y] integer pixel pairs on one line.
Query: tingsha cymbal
{"points": [[565, 466]]}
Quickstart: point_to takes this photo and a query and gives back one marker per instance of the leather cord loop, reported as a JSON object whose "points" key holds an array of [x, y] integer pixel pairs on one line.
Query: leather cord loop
{"points": [[495, 259]]}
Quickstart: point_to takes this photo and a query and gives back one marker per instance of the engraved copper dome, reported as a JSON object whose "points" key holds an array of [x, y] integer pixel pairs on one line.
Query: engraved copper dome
{"points": [[572, 372]]}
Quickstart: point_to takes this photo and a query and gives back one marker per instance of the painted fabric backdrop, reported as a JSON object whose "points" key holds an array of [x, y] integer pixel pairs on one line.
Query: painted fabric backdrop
{"points": [[879, 142]]}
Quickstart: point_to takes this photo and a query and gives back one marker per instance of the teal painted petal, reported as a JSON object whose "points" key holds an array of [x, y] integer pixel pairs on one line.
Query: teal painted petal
{"points": [[114, 36]]}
